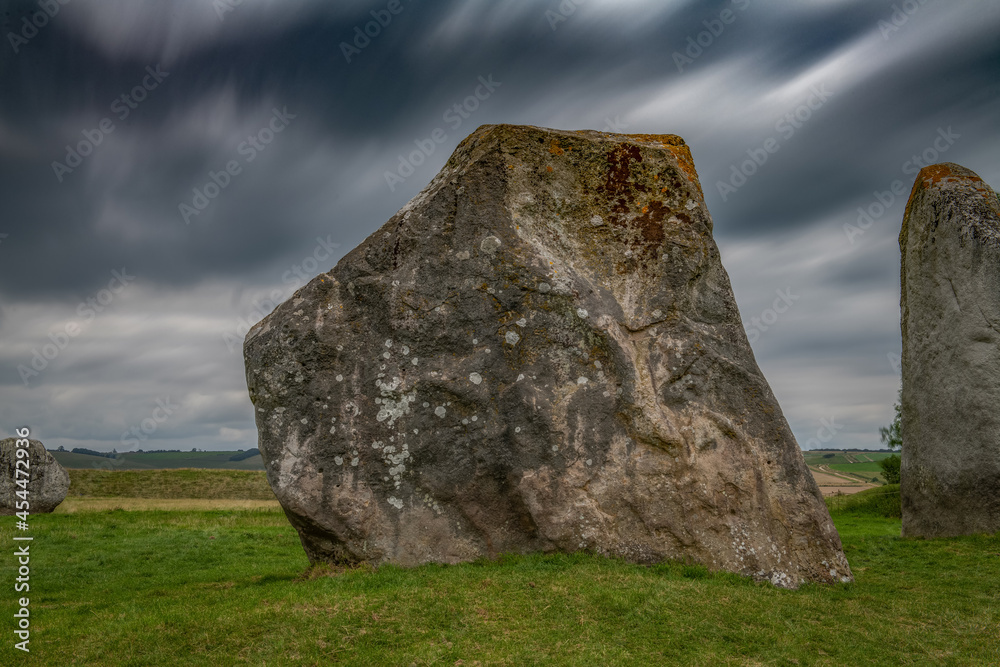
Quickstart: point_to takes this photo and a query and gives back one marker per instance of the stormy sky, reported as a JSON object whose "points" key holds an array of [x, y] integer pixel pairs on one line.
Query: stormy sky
{"points": [[172, 169]]}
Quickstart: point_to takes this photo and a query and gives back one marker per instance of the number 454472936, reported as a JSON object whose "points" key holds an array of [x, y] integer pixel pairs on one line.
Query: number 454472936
{"points": [[22, 473]]}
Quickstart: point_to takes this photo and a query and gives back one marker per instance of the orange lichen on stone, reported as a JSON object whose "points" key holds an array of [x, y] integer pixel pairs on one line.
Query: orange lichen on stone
{"points": [[934, 174], [686, 163], [549, 168], [555, 149]]}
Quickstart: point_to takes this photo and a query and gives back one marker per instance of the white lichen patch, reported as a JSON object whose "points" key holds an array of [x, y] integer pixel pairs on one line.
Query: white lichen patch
{"points": [[405, 350], [582, 380], [475, 378], [596, 220], [522, 322], [393, 408], [396, 502], [690, 204], [339, 460], [520, 377], [389, 387], [440, 411], [544, 288], [581, 313], [464, 255], [340, 378], [388, 342], [512, 337], [490, 245]]}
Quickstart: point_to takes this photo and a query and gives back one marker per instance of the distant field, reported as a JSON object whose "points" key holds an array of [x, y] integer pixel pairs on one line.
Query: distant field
{"points": [[859, 469], [871, 469], [159, 460], [818, 456], [176, 483]]}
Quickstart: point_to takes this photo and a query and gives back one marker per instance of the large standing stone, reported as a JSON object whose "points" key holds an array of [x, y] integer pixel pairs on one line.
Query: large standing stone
{"points": [[950, 407], [540, 352], [48, 482]]}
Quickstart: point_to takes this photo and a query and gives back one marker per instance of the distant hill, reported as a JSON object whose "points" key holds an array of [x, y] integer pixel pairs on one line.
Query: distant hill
{"points": [[161, 460]]}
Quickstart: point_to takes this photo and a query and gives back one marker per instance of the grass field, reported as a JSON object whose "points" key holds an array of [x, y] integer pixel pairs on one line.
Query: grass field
{"points": [[866, 469], [158, 460], [177, 483], [233, 587]]}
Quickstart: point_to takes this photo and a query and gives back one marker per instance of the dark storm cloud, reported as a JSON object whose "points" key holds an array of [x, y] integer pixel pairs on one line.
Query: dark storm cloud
{"points": [[319, 187]]}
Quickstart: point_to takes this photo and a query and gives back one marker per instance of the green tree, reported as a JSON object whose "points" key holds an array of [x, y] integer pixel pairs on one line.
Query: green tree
{"points": [[893, 439], [890, 469], [890, 434]]}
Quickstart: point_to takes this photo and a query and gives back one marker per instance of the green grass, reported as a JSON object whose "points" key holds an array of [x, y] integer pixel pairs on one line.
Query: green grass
{"points": [[227, 587], [158, 460], [176, 483], [881, 502]]}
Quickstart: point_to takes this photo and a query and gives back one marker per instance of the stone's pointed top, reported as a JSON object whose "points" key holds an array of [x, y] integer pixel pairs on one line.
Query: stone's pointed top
{"points": [[558, 142], [963, 188], [506, 129]]}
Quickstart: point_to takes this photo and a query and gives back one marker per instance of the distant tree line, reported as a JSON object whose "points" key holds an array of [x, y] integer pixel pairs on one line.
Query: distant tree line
{"points": [[240, 456], [93, 452]]}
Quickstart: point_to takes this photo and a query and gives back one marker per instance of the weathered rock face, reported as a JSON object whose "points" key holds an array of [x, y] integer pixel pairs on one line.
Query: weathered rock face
{"points": [[541, 351], [950, 421], [48, 481]]}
